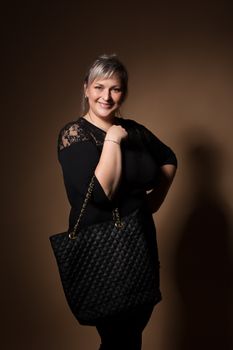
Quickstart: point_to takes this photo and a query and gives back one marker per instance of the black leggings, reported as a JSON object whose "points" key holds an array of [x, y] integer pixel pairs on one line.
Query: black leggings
{"points": [[124, 332]]}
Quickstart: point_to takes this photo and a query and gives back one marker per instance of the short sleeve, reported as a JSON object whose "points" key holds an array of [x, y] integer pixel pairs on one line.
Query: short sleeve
{"points": [[162, 153], [79, 156], [70, 134]]}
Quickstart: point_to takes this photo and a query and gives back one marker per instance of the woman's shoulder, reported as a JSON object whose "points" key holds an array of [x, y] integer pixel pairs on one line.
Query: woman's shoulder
{"points": [[135, 131], [72, 132], [139, 131], [134, 126], [131, 123]]}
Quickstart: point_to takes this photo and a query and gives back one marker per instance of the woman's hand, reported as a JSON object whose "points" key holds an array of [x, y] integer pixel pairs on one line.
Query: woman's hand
{"points": [[116, 133]]}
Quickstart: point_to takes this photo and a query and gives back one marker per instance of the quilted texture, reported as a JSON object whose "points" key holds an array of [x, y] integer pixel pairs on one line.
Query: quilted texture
{"points": [[106, 270]]}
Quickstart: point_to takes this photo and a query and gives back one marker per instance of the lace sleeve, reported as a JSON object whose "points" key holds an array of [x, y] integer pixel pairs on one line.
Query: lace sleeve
{"points": [[71, 133], [78, 160]]}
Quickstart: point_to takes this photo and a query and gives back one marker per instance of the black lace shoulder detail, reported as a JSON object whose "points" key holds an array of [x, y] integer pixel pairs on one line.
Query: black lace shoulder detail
{"points": [[71, 133]]}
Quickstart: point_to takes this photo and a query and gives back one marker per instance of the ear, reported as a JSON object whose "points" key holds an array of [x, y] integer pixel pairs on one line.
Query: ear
{"points": [[85, 90]]}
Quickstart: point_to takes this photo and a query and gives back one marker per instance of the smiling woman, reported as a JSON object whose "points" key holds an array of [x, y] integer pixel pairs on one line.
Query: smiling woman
{"points": [[104, 99], [105, 88], [106, 91], [131, 169]]}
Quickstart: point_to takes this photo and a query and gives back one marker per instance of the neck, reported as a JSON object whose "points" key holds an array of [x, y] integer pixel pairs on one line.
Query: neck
{"points": [[102, 124]]}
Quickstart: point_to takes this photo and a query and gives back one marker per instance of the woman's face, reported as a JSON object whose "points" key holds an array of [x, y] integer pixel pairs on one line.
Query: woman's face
{"points": [[104, 96]]}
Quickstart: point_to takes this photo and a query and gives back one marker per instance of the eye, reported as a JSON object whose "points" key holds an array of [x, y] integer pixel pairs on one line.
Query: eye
{"points": [[117, 89], [98, 87]]}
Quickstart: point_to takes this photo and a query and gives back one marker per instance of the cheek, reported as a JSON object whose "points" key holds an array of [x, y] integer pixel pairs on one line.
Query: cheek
{"points": [[118, 98], [93, 95]]}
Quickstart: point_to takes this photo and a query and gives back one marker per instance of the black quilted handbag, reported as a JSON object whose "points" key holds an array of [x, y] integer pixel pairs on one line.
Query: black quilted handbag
{"points": [[108, 267]]}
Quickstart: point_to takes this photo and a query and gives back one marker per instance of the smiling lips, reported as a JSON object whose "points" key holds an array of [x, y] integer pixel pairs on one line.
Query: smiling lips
{"points": [[105, 105]]}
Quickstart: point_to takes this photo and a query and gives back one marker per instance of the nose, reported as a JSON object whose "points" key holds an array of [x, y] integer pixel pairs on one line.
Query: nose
{"points": [[106, 94]]}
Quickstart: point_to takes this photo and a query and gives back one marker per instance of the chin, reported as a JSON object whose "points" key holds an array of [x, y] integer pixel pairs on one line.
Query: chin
{"points": [[106, 114]]}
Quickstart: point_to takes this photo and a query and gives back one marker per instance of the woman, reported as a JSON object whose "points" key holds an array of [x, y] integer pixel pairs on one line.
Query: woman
{"points": [[132, 167]]}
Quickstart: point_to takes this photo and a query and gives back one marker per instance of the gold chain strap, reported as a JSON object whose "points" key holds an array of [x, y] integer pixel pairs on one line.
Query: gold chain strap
{"points": [[116, 217], [115, 213], [72, 234]]}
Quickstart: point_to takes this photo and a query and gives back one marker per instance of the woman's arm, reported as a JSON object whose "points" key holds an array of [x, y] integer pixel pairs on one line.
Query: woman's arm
{"points": [[158, 194], [109, 168]]}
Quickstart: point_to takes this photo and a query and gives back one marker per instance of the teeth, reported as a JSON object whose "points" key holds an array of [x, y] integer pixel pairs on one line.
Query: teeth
{"points": [[105, 104]]}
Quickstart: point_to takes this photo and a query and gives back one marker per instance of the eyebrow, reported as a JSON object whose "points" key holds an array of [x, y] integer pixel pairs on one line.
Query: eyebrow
{"points": [[118, 85]]}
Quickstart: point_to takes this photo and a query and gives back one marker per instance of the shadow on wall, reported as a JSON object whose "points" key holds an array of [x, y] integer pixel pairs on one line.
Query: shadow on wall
{"points": [[203, 260]]}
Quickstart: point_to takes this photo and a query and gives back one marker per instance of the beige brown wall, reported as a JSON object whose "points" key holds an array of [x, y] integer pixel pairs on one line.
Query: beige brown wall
{"points": [[180, 64]]}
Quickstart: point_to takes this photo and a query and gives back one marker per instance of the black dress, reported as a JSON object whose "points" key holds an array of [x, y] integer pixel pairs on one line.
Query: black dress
{"points": [[79, 147]]}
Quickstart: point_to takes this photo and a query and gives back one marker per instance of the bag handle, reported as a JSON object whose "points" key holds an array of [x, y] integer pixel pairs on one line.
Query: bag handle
{"points": [[115, 211]]}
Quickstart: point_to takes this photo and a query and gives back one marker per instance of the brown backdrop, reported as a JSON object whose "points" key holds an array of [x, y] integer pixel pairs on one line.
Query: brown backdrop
{"points": [[179, 59]]}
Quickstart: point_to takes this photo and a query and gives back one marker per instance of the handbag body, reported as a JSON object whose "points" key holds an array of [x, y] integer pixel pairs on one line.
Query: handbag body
{"points": [[109, 267]]}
